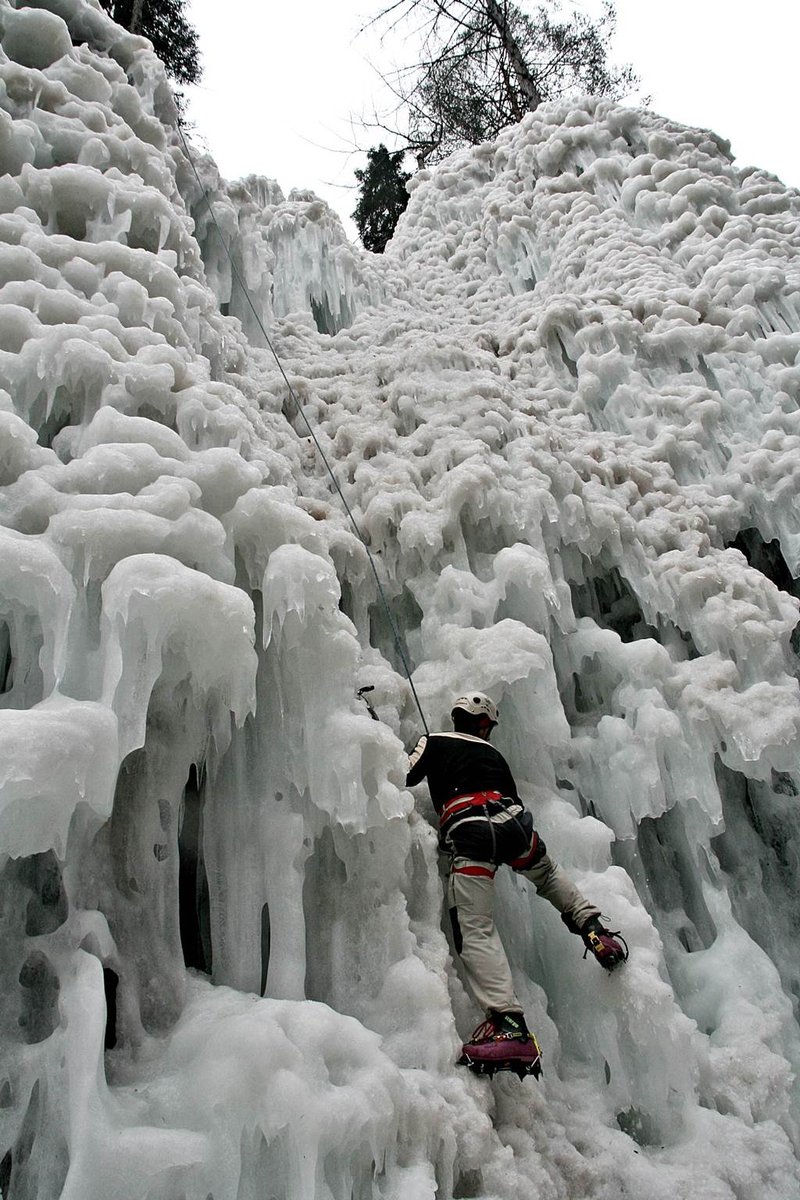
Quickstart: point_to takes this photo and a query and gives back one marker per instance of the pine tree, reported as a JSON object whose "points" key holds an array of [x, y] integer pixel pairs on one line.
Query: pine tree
{"points": [[164, 23], [382, 197]]}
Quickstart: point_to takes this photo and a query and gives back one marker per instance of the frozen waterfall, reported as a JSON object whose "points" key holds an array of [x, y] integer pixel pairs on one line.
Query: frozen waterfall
{"points": [[565, 409]]}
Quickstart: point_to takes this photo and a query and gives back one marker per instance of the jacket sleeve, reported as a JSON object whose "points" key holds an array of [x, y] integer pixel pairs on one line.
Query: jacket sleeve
{"points": [[417, 766]]}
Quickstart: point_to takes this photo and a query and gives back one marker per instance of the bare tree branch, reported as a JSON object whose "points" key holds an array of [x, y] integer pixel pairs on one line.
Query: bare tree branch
{"points": [[482, 64]]}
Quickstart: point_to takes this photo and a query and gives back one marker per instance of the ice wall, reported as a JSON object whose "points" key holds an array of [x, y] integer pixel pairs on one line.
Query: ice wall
{"points": [[289, 255], [564, 409]]}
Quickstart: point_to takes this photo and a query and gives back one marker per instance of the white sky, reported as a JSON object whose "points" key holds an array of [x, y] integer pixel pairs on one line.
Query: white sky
{"points": [[284, 84]]}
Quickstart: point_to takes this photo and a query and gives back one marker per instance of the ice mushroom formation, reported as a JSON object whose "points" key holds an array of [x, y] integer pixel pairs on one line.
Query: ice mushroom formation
{"points": [[564, 409]]}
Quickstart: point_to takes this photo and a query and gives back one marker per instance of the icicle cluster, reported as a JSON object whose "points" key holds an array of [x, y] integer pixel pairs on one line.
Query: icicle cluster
{"points": [[564, 407]]}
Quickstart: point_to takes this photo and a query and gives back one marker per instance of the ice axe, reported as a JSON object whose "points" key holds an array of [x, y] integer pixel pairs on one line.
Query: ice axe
{"points": [[361, 693]]}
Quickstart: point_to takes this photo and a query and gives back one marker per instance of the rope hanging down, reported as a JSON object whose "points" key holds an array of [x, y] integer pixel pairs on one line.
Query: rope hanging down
{"points": [[237, 276]]}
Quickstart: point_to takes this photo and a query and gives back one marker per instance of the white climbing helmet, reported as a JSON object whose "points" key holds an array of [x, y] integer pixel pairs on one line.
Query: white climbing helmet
{"points": [[476, 704]]}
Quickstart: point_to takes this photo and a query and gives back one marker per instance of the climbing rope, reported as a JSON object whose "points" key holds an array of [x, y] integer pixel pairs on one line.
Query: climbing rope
{"points": [[237, 276]]}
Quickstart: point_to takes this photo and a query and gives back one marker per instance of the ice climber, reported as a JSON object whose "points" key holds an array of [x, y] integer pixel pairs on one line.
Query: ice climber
{"points": [[483, 824]]}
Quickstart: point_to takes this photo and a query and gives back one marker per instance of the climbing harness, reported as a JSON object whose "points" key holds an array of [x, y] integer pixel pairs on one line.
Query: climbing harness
{"points": [[237, 276], [461, 803]]}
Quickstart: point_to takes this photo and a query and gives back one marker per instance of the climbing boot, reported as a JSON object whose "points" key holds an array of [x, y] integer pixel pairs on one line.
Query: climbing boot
{"points": [[610, 949], [502, 1042]]}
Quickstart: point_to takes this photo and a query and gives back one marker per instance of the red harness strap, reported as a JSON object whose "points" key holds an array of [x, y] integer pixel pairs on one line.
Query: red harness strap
{"points": [[476, 869], [527, 860], [461, 803]]}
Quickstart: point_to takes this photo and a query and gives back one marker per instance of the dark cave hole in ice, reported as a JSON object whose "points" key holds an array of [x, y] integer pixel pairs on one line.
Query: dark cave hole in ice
{"points": [[40, 988], [266, 939], [14, 1174], [759, 851], [35, 1167], [669, 878], [322, 317], [325, 320], [562, 354], [468, 1185], [6, 661], [324, 886], [6, 1167], [767, 557], [51, 427], [347, 600], [21, 678], [639, 1127], [142, 236], [604, 597], [193, 891], [415, 874], [482, 537], [407, 617], [110, 985], [70, 222], [609, 601], [587, 696], [151, 413], [47, 907]]}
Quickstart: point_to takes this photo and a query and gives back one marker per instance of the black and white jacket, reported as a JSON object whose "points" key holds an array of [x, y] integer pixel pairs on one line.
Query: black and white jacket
{"points": [[459, 764]]}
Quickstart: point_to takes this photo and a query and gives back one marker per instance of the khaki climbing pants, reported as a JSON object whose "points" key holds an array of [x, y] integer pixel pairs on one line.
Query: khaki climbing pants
{"points": [[478, 845]]}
